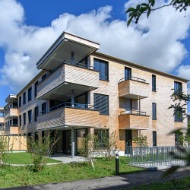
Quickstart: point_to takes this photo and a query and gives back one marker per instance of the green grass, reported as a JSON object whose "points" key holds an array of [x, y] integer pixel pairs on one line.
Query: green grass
{"points": [[174, 184], [23, 158], [9, 175]]}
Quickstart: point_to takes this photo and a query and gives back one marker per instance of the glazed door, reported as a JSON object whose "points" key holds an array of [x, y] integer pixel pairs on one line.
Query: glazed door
{"points": [[67, 142], [128, 141]]}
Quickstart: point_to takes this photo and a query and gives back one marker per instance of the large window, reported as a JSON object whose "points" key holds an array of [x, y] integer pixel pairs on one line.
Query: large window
{"points": [[154, 138], [127, 73], [101, 103], [44, 109], [30, 94], [177, 86], [102, 67], [154, 111], [30, 116], [24, 118], [154, 83], [24, 98], [35, 89], [102, 138], [35, 113], [19, 101]]}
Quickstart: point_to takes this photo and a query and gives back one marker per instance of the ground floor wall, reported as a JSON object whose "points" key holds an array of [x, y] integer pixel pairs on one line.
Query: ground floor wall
{"points": [[14, 142]]}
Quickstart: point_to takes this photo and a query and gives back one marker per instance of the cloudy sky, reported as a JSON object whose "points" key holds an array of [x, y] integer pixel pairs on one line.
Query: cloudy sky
{"points": [[29, 27]]}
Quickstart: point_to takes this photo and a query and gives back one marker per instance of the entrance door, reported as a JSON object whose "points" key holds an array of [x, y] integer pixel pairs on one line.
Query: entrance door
{"points": [[67, 142], [128, 141]]}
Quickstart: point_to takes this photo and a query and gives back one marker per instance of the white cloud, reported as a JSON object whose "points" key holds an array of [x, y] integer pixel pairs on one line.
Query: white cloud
{"points": [[159, 47]]}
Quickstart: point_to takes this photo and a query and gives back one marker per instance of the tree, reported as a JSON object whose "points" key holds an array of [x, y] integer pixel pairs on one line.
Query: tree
{"points": [[148, 8]]}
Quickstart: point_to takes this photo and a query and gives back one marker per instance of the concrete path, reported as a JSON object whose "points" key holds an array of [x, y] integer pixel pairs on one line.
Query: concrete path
{"points": [[109, 183], [65, 158]]}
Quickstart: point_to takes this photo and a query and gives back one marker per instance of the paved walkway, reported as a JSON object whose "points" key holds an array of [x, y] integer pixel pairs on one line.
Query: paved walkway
{"points": [[109, 183], [65, 158]]}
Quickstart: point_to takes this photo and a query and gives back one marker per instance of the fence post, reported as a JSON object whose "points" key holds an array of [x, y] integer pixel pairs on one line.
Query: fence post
{"points": [[117, 164]]}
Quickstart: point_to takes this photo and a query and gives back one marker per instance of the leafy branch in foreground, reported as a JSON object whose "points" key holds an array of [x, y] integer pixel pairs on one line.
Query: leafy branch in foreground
{"points": [[147, 8], [183, 153]]}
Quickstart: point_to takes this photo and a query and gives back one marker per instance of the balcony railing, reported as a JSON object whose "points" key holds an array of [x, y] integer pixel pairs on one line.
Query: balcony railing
{"points": [[133, 88], [74, 63], [133, 112], [68, 76], [132, 78], [68, 105], [67, 115], [133, 119]]}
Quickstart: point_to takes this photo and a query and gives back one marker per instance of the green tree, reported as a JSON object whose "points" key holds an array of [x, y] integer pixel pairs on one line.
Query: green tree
{"points": [[147, 8]]}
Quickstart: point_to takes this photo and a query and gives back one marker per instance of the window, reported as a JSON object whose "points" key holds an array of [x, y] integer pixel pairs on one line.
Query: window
{"points": [[154, 83], [103, 138], [24, 118], [101, 103], [102, 68], [24, 98], [20, 101], [20, 120], [178, 116], [154, 138], [43, 77], [35, 113], [44, 108], [30, 116], [30, 94], [127, 73], [154, 111], [177, 86], [35, 89]]}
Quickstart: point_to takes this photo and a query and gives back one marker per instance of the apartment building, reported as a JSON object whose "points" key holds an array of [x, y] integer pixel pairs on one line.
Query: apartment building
{"points": [[80, 91], [2, 120]]}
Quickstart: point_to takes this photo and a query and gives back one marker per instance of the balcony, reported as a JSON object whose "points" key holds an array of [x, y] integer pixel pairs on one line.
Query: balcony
{"points": [[2, 120], [12, 112], [11, 130], [63, 116], [66, 80], [133, 88], [133, 120]]}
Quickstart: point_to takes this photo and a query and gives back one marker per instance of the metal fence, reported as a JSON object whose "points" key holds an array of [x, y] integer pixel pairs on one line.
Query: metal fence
{"points": [[154, 156]]}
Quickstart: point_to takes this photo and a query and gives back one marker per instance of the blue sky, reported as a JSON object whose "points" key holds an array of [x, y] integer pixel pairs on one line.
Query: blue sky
{"points": [[29, 27]]}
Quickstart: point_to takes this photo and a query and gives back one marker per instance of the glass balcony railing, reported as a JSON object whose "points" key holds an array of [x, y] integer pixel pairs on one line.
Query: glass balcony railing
{"points": [[69, 105]]}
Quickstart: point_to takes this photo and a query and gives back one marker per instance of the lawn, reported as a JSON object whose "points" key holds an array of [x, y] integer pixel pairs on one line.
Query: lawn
{"points": [[9, 175], [23, 158]]}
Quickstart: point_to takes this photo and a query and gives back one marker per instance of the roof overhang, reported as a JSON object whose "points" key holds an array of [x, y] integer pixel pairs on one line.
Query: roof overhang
{"points": [[63, 47], [11, 98]]}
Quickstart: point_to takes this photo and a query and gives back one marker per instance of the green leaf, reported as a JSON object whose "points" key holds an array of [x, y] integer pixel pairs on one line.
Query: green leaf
{"points": [[131, 9], [176, 131], [129, 21], [152, 2], [148, 12], [170, 171]]}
